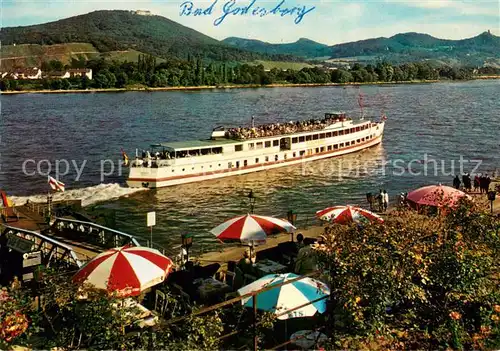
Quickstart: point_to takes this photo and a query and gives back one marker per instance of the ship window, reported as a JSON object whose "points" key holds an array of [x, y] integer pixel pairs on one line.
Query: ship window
{"points": [[302, 139], [276, 143], [237, 164], [173, 170], [341, 144], [329, 134], [329, 148], [256, 160], [217, 150], [230, 165], [276, 157], [238, 147], [362, 139], [284, 157], [315, 137], [259, 145], [268, 144], [302, 153], [336, 146], [251, 146], [317, 149], [322, 136], [205, 151], [183, 169], [353, 130], [294, 154], [347, 143], [308, 138], [245, 163], [192, 168], [295, 140], [358, 141], [210, 166], [341, 132], [335, 134], [219, 164], [267, 158], [357, 129], [322, 149]]}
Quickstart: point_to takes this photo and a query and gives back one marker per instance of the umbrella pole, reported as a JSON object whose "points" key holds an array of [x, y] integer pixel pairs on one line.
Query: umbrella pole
{"points": [[286, 334], [255, 347]]}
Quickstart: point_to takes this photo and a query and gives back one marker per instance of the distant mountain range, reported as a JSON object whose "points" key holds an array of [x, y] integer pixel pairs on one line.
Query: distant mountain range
{"points": [[305, 48], [126, 34], [399, 48]]}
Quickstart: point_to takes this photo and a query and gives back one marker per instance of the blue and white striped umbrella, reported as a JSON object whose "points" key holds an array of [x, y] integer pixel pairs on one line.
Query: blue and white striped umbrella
{"points": [[289, 296]]}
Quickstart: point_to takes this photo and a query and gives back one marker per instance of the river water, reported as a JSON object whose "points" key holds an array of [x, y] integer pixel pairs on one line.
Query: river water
{"points": [[433, 131]]}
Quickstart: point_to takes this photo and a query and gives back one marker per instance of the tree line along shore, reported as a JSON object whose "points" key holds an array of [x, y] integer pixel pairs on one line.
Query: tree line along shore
{"points": [[194, 73]]}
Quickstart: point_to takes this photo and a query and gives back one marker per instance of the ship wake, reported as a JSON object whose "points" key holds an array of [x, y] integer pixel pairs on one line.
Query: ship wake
{"points": [[89, 196]]}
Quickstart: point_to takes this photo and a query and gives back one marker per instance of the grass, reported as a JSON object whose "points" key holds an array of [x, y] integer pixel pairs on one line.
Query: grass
{"points": [[29, 55]]}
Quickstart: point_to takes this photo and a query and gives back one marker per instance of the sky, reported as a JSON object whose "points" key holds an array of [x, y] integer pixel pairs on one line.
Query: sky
{"points": [[330, 22]]}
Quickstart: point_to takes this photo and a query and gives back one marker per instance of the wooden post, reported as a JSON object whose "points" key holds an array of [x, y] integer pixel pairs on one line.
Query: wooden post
{"points": [[255, 341]]}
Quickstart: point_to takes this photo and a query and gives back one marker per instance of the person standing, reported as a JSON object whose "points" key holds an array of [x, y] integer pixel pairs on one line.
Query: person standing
{"points": [[456, 182], [487, 182], [380, 199], [476, 183], [386, 200]]}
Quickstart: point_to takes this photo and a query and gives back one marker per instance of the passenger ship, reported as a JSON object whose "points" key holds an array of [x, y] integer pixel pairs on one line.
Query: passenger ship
{"points": [[238, 151]]}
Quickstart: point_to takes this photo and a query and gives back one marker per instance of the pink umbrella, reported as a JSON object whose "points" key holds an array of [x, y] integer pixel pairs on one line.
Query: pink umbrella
{"points": [[125, 270], [435, 195], [251, 229], [348, 214]]}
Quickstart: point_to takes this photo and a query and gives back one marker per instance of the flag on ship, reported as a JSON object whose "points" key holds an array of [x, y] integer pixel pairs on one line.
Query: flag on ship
{"points": [[55, 184]]}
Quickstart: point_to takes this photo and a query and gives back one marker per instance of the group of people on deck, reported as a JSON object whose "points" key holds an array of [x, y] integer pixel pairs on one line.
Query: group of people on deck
{"points": [[272, 129], [481, 183]]}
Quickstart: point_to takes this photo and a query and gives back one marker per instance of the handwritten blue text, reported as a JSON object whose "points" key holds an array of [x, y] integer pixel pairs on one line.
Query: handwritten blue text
{"points": [[231, 8]]}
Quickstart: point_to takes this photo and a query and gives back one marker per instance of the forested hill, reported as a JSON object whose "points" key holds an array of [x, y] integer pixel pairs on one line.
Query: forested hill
{"points": [[302, 47], [125, 30], [400, 48]]}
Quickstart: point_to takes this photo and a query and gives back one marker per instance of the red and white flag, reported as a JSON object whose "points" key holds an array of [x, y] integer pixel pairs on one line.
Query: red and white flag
{"points": [[55, 184]]}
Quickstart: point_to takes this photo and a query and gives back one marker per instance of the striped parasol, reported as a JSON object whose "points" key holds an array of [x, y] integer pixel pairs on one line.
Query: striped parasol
{"points": [[126, 271], [288, 296], [348, 214], [251, 229]]}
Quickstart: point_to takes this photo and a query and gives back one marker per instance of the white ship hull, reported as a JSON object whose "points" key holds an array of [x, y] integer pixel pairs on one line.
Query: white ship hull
{"points": [[229, 163]]}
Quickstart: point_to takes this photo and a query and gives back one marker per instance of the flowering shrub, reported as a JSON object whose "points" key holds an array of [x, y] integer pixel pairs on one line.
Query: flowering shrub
{"points": [[415, 280]]}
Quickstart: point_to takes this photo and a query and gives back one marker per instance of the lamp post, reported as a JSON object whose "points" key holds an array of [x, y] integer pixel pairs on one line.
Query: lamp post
{"points": [[187, 242], [251, 198], [491, 197], [292, 218]]}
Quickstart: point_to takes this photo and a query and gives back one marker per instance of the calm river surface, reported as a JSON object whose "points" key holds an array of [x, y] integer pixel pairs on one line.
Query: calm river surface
{"points": [[430, 128]]}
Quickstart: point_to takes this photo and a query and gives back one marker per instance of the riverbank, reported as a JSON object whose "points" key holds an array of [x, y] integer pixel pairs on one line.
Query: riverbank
{"points": [[231, 86]]}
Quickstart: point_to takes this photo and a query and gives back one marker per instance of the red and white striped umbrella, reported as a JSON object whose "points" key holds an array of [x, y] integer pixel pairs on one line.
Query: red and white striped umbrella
{"points": [[126, 270], [251, 229], [348, 214]]}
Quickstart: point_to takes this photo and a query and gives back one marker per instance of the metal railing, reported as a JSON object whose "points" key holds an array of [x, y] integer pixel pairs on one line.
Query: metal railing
{"points": [[52, 250], [92, 233]]}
